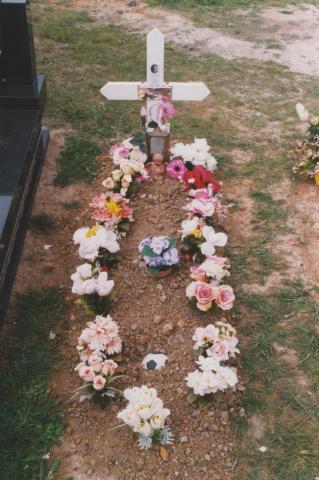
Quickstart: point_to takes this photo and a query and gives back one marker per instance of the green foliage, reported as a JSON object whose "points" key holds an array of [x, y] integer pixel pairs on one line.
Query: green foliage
{"points": [[29, 420], [42, 223], [77, 161]]}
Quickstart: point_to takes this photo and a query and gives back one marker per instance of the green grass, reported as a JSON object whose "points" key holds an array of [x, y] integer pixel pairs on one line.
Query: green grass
{"points": [[30, 422], [42, 223], [289, 409], [77, 161]]}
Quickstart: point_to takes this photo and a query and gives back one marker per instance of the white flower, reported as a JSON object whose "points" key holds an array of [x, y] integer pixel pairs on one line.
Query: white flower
{"points": [[144, 428], [189, 226], [129, 416], [123, 192], [90, 240], [208, 363], [213, 240], [103, 285], [302, 112], [211, 163], [196, 381], [157, 420], [85, 270], [137, 155], [116, 175], [214, 270], [201, 144]]}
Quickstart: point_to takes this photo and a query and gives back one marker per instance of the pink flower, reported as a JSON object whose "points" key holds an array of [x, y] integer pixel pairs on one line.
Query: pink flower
{"points": [[176, 169], [202, 193], [205, 207], [85, 372], [225, 297], [205, 336], [109, 367], [166, 111], [95, 361], [99, 382], [114, 344], [197, 273], [205, 293], [108, 183]]}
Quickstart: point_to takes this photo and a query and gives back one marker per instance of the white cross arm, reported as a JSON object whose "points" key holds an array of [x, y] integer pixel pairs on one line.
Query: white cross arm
{"points": [[121, 90], [191, 91]]}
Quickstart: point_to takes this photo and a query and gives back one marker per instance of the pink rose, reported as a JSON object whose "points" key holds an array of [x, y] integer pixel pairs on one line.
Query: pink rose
{"points": [[225, 297], [205, 293], [109, 367], [204, 207], [197, 273], [99, 382]]}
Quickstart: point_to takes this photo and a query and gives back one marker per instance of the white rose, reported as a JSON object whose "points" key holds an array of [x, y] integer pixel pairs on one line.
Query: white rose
{"points": [[103, 285], [116, 174], [85, 270]]}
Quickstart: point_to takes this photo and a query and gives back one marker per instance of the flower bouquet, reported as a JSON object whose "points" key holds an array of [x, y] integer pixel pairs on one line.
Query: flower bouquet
{"points": [[97, 243], [203, 295], [198, 238], [112, 209], [210, 378], [91, 283], [219, 342], [98, 345], [159, 254], [195, 154], [200, 177], [214, 267], [129, 158], [146, 416], [306, 152]]}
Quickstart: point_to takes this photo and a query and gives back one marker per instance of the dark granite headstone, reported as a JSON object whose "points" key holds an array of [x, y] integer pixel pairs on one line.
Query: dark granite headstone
{"points": [[23, 142]]}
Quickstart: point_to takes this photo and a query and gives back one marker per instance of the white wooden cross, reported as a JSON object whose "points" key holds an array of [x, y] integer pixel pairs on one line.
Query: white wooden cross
{"points": [[192, 91]]}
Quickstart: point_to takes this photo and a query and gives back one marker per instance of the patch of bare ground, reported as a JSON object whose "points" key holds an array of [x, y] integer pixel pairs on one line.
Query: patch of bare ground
{"points": [[290, 356], [300, 246], [298, 32]]}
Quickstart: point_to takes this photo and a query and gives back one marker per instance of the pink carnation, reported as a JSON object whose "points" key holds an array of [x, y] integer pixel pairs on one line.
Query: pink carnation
{"points": [[99, 382], [176, 169]]}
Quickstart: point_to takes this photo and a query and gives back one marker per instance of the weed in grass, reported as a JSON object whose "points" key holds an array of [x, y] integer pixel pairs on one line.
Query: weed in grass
{"points": [[29, 420], [42, 223], [77, 161]]}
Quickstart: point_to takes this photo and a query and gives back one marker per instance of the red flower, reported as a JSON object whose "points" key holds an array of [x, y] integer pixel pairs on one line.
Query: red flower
{"points": [[200, 177]]}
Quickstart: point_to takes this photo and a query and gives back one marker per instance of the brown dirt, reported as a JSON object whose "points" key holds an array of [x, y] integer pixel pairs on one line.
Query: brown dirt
{"points": [[296, 32]]}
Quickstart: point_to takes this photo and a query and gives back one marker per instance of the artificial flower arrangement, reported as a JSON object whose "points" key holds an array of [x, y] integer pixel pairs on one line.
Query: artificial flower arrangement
{"points": [[306, 152], [93, 286], [217, 341], [97, 243], [195, 154], [204, 294], [146, 415], [200, 177], [129, 158], [214, 345], [159, 254], [213, 267], [199, 238], [112, 210], [211, 377], [204, 204], [99, 345]]}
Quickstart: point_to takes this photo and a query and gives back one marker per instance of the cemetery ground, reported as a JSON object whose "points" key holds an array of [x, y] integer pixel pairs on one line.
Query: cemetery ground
{"points": [[250, 122]]}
